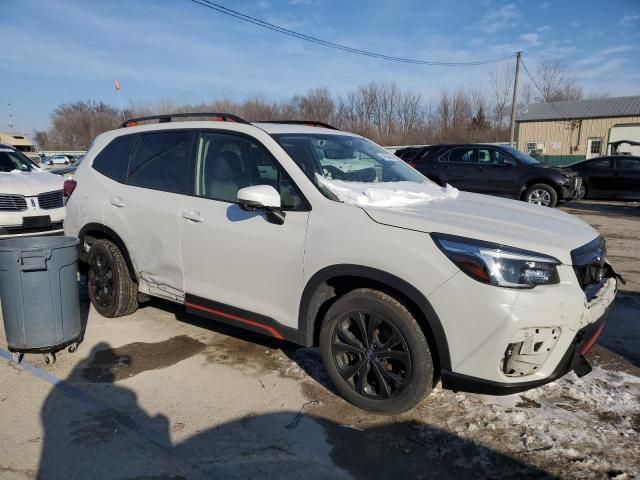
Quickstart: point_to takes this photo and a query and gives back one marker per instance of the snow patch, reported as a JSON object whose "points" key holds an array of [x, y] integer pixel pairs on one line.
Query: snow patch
{"points": [[387, 194]]}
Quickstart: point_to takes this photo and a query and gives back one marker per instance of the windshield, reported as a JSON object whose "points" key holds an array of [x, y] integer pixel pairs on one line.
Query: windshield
{"points": [[11, 160], [523, 157], [347, 158]]}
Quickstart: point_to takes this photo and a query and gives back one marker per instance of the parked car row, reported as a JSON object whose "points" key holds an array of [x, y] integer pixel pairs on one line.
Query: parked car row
{"points": [[320, 237], [494, 170], [505, 171]]}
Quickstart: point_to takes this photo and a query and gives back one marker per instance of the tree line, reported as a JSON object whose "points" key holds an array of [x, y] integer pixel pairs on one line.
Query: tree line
{"points": [[384, 112]]}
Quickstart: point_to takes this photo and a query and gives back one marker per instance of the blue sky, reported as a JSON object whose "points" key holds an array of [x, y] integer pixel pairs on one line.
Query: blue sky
{"points": [[59, 51]]}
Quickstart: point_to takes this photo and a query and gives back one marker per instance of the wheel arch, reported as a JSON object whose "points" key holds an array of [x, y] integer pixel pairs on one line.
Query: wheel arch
{"points": [[319, 293], [98, 231], [544, 180]]}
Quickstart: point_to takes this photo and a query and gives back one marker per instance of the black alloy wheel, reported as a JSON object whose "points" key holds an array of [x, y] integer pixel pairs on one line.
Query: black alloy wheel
{"points": [[371, 355]]}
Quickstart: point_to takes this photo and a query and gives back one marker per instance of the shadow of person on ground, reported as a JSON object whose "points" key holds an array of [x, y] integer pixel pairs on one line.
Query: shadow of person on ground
{"points": [[94, 428]]}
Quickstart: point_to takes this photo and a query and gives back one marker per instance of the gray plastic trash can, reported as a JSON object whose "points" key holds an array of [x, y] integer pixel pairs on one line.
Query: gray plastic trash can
{"points": [[39, 294]]}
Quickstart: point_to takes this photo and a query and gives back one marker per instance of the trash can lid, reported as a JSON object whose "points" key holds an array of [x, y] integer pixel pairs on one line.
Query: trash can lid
{"points": [[29, 243]]}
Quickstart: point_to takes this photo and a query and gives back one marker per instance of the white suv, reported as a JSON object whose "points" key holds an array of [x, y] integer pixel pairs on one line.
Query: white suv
{"points": [[31, 200], [400, 282]]}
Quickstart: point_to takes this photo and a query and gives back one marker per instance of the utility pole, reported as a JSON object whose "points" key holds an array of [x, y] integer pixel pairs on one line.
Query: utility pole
{"points": [[513, 102], [10, 117]]}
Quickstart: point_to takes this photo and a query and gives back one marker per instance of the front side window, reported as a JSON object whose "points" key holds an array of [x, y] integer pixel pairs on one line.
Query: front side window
{"points": [[600, 164], [113, 160], [162, 161], [628, 164], [490, 156], [226, 163], [11, 160]]}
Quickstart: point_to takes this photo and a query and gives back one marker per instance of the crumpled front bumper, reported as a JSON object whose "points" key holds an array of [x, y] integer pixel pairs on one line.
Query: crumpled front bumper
{"points": [[590, 328]]}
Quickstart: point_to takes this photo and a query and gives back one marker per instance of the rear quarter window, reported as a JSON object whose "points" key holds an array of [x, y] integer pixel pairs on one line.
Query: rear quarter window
{"points": [[113, 160]]}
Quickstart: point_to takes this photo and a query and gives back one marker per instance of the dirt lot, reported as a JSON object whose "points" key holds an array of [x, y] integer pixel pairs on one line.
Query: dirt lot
{"points": [[164, 395]]}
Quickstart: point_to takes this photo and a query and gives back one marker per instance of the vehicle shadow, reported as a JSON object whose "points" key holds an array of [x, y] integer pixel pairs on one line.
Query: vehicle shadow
{"points": [[617, 209], [98, 430], [621, 334]]}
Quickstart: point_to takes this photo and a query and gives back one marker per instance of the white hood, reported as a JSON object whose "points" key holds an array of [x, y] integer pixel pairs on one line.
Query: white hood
{"points": [[29, 184], [482, 217]]}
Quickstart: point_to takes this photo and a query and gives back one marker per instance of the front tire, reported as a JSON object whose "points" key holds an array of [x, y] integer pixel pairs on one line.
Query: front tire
{"points": [[375, 353], [542, 194], [111, 290]]}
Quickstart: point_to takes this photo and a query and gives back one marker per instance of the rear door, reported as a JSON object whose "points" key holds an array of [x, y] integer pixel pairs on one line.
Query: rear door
{"points": [[143, 209], [628, 176], [458, 167]]}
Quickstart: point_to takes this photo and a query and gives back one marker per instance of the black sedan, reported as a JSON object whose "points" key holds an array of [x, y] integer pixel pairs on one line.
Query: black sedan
{"points": [[495, 170], [612, 177]]}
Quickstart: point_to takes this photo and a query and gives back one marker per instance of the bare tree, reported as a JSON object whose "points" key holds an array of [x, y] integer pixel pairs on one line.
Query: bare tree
{"points": [[501, 92], [556, 83]]}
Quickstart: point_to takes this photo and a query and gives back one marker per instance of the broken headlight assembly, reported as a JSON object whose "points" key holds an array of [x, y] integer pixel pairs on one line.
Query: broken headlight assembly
{"points": [[498, 265]]}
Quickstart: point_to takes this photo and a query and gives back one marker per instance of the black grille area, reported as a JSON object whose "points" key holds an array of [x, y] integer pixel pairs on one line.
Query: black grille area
{"points": [[18, 229], [50, 200], [589, 262], [12, 203]]}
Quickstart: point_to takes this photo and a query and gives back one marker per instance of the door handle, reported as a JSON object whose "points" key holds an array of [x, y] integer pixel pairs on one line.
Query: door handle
{"points": [[117, 202], [193, 216]]}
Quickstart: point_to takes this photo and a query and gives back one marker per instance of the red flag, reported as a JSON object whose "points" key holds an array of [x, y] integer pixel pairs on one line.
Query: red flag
{"points": [[117, 83]]}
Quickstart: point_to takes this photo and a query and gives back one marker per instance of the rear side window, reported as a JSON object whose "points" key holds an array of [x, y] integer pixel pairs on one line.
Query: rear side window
{"points": [[628, 163], [602, 163], [113, 160], [162, 161], [461, 155]]}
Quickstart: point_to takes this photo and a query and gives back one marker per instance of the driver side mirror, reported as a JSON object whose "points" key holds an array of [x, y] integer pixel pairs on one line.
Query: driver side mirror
{"points": [[262, 197]]}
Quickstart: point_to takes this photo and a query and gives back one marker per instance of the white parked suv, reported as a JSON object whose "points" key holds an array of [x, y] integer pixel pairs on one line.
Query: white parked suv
{"points": [[31, 200], [400, 282]]}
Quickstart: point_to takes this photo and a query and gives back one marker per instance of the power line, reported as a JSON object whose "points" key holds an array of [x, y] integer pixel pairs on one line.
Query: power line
{"points": [[270, 26]]}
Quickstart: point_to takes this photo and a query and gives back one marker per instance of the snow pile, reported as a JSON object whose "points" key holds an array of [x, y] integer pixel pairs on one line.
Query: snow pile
{"points": [[387, 194]]}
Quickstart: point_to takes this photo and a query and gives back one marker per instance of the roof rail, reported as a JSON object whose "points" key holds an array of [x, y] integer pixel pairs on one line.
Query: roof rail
{"points": [[310, 123], [220, 117]]}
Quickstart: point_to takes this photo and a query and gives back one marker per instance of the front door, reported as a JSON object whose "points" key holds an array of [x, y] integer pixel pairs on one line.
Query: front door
{"points": [[628, 176], [496, 171], [239, 267], [594, 147]]}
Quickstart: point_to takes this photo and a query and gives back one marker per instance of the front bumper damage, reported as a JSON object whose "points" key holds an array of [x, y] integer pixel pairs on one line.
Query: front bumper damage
{"points": [[590, 327]]}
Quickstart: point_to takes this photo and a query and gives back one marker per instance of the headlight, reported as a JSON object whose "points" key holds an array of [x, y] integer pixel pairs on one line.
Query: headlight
{"points": [[498, 265]]}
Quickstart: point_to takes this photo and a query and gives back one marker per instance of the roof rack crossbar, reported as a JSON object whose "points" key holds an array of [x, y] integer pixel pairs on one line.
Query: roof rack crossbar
{"points": [[226, 117], [311, 123]]}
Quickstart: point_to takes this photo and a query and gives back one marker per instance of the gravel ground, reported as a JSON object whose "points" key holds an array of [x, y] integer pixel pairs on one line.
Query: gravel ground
{"points": [[164, 395]]}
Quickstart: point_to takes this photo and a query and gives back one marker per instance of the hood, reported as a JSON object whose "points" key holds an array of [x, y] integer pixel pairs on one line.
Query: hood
{"points": [[29, 184], [561, 170], [508, 222]]}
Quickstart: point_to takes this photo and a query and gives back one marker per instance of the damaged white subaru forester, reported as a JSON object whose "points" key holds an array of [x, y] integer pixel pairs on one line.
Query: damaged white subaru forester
{"points": [[320, 237]]}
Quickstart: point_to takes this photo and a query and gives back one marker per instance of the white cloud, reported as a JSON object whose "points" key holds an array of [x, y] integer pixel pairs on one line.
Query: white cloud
{"points": [[264, 4], [575, 24], [543, 28], [616, 49], [300, 2], [544, 4], [500, 18], [607, 68], [629, 20], [531, 38]]}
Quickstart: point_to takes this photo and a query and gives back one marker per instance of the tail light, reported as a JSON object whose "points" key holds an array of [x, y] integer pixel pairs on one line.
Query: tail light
{"points": [[69, 187]]}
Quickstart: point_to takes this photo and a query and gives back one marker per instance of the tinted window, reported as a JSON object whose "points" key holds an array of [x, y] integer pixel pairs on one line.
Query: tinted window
{"points": [[601, 163], [227, 163], [627, 163], [113, 160], [161, 161], [12, 160], [462, 155], [489, 156]]}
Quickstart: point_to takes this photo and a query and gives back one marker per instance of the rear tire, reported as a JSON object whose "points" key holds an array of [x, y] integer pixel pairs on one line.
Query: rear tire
{"points": [[375, 353], [542, 194], [111, 290]]}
